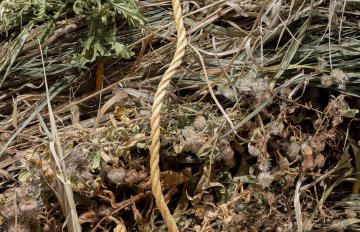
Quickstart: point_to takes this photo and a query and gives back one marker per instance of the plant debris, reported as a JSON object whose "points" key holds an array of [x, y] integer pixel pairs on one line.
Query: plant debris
{"points": [[259, 132]]}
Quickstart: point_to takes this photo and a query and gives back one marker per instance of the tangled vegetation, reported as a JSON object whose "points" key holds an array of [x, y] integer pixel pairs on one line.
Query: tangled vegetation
{"points": [[259, 132]]}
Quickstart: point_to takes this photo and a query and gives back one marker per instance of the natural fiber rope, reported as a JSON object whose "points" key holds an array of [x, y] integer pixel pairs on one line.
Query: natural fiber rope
{"points": [[155, 118]]}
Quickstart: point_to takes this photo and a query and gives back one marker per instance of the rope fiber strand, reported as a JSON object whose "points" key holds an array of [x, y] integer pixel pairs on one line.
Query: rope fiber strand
{"points": [[155, 118]]}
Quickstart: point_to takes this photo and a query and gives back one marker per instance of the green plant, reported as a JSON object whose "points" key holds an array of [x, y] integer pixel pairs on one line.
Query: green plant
{"points": [[103, 16]]}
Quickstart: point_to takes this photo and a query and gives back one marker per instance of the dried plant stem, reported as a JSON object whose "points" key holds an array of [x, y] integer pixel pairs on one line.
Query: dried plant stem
{"points": [[62, 185], [155, 118]]}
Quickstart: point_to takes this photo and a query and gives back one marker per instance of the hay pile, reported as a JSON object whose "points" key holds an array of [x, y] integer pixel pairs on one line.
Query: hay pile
{"points": [[264, 139]]}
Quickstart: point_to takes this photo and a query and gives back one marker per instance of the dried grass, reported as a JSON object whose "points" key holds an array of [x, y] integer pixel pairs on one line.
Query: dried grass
{"points": [[273, 147]]}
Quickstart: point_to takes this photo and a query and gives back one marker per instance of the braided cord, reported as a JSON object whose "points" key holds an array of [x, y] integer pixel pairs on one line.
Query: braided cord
{"points": [[155, 118]]}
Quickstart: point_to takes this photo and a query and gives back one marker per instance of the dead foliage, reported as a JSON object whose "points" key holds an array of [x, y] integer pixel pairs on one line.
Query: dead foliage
{"points": [[260, 132]]}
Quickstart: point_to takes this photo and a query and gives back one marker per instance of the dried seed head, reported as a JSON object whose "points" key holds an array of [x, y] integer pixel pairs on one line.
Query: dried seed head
{"points": [[308, 159], [338, 74], [265, 179], [340, 77], [293, 151], [278, 128], [27, 207], [193, 141], [227, 92], [307, 150], [200, 123], [192, 145], [77, 164], [254, 151], [256, 87], [188, 131], [326, 81], [264, 165], [319, 160], [120, 176], [317, 144], [227, 155]]}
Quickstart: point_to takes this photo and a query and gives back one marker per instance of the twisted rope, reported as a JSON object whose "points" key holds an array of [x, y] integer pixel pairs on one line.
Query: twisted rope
{"points": [[155, 118]]}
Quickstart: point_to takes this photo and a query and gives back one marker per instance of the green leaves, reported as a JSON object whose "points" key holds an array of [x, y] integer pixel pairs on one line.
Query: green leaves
{"points": [[347, 112], [103, 16], [128, 10]]}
